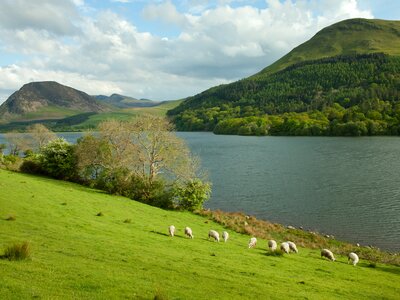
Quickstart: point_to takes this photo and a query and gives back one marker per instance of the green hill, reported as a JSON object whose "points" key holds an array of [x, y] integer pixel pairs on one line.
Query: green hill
{"points": [[126, 253], [349, 37], [343, 81]]}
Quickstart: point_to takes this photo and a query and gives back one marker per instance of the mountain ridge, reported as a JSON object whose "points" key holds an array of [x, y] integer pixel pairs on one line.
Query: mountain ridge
{"points": [[36, 96]]}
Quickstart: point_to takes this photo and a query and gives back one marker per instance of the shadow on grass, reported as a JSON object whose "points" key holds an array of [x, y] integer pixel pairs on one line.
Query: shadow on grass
{"points": [[164, 234]]}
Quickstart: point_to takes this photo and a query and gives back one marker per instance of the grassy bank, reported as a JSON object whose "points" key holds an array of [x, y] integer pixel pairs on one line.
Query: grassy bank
{"points": [[126, 253]]}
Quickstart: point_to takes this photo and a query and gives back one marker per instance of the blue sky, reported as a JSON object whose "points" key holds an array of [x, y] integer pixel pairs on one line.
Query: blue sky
{"points": [[157, 49]]}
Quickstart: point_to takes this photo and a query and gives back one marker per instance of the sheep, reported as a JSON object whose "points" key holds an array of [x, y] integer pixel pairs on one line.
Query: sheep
{"points": [[292, 247], [225, 236], [171, 230], [188, 232], [353, 257], [214, 235], [253, 242], [272, 245], [285, 247], [328, 254]]}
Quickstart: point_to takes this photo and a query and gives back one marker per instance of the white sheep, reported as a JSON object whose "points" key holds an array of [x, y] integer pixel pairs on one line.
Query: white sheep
{"points": [[285, 247], [214, 235], [293, 247], [272, 245], [253, 242], [171, 230], [188, 232], [328, 254], [353, 257], [225, 236]]}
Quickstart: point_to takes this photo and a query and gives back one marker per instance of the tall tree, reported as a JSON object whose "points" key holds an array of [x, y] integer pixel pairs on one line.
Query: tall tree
{"points": [[39, 135]]}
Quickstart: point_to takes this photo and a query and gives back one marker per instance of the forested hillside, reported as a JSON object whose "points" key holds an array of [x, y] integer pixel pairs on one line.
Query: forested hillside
{"points": [[352, 94]]}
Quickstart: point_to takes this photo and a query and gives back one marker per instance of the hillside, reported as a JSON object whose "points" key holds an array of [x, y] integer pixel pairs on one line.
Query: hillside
{"points": [[47, 100], [122, 101], [126, 253], [343, 81]]}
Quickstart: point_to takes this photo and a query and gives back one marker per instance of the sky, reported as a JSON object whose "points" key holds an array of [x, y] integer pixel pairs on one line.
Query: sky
{"points": [[159, 50]]}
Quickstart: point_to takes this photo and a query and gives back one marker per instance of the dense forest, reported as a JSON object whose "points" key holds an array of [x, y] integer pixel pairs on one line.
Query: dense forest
{"points": [[343, 95]]}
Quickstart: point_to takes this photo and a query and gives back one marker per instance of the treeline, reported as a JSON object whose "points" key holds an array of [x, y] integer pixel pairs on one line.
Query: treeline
{"points": [[141, 159], [344, 95]]}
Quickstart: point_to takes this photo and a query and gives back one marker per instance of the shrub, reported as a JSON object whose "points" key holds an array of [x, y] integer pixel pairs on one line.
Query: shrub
{"points": [[11, 218], [32, 165], [128, 221], [99, 214], [154, 193], [192, 194], [18, 251], [10, 162], [58, 159]]}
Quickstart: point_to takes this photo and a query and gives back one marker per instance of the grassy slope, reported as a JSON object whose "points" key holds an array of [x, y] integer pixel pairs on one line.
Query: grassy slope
{"points": [[128, 113], [48, 112], [355, 36], [76, 254]]}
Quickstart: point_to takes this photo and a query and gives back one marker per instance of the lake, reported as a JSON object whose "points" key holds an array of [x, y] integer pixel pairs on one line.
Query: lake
{"points": [[348, 187]]}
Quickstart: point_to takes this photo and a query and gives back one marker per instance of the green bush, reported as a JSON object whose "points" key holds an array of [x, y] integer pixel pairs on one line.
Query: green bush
{"points": [[32, 164], [154, 193], [58, 159], [192, 194]]}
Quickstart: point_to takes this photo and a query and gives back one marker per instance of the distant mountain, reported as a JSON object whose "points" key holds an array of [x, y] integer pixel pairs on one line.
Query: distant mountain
{"points": [[122, 101], [48, 99], [343, 81]]}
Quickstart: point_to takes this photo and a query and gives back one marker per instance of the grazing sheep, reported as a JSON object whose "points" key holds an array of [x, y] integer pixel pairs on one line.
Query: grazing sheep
{"points": [[293, 247], [285, 247], [328, 254], [353, 257], [171, 230], [272, 245], [225, 236], [188, 232], [253, 242], [214, 235]]}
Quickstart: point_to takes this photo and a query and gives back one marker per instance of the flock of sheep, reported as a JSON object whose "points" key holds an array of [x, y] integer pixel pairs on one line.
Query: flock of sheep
{"points": [[286, 247]]}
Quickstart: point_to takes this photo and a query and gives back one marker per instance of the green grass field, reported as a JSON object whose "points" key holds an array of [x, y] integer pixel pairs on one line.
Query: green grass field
{"points": [[76, 254]]}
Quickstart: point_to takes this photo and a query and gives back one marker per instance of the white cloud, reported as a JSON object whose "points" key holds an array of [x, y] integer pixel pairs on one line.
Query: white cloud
{"points": [[105, 53], [56, 17]]}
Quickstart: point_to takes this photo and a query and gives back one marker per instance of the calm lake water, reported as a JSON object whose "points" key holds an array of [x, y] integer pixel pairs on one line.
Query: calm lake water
{"points": [[348, 187]]}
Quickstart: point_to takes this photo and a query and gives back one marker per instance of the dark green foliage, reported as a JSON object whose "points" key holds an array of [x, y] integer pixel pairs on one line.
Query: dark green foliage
{"points": [[73, 120], [120, 182], [344, 95], [32, 164], [17, 251], [192, 195], [155, 193], [99, 214]]}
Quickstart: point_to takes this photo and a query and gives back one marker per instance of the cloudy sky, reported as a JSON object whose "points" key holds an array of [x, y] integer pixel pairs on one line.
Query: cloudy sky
{"points": [[156, 49]]}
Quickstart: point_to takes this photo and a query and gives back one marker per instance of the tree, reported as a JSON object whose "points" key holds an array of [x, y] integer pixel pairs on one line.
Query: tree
{"points": [[39, 135], [17, 142], [142, 159]]}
